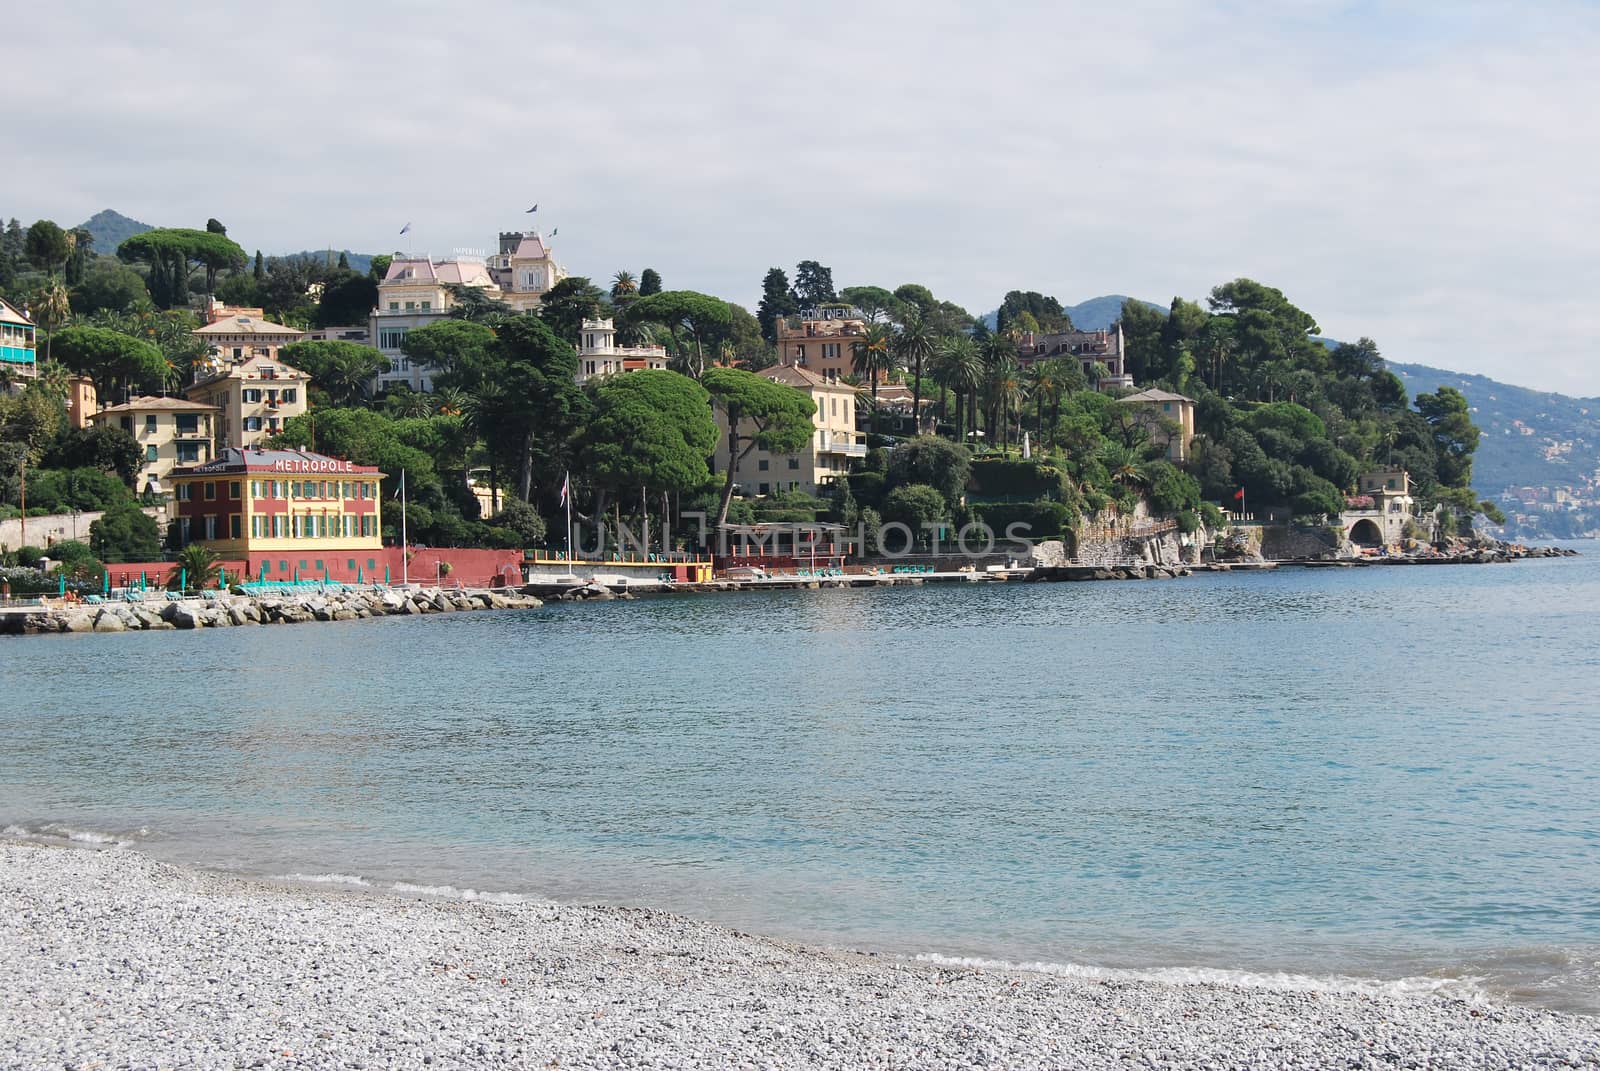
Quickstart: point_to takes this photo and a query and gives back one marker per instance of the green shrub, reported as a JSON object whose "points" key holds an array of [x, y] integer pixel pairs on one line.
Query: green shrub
{"points": [[1014, 478], [1043, 517]]}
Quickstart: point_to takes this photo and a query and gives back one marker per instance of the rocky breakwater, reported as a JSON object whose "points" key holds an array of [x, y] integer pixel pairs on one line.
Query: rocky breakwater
{"points": [[1134, 571], [226, 611]]}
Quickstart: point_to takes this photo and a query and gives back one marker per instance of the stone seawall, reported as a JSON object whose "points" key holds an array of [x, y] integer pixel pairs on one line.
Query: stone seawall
{"points": [[227, 611]]}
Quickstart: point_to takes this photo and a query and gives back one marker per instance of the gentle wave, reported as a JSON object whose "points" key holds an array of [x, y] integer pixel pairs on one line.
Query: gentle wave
{"points": [[325, 879], [1467, 988], [450, 892], [56, 832]]}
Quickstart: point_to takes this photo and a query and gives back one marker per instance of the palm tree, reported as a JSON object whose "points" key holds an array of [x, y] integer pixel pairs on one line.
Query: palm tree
{"points": [[411, 404], [1044, 383], [874, 356], [913, 345], [1006, 393], [959, 369], [54, 308], [623, 285], [1123, 464], [450, 401], [195, 569]]}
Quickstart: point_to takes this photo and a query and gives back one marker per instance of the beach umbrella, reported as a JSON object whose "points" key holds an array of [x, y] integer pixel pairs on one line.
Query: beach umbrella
{"points": [[105, 582], [361, 576], [141, 580], [386, 575], [61, 589], [325, 577], [222, 578], [297, 574], [183, 578]]}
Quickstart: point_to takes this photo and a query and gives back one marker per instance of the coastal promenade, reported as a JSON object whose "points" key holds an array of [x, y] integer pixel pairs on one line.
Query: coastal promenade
{"points": [[120, 961]]}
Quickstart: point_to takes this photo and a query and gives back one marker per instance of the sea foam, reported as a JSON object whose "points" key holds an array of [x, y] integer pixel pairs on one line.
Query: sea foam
{"points": [[450, 892], [1466, 988], [325, 879]]}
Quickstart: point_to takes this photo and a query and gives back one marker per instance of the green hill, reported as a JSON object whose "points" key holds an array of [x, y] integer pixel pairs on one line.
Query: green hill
{"points": [[111, 228], [1530, 438], [1099, 313]]}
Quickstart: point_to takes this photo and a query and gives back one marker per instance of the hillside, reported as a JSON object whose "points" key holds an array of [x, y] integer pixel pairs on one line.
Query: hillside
{"points": [[1530, 438], [111, 228], [1099, 313]]}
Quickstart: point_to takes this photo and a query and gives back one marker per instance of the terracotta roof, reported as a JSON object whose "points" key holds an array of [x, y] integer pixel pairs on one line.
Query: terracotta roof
{"points": [[246, 325], [291, 375], [1156, 394], [150, 403], [795, 376]]}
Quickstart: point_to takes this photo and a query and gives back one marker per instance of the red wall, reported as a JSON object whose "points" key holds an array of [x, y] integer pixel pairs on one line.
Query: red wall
{"points": [[470, 566]]}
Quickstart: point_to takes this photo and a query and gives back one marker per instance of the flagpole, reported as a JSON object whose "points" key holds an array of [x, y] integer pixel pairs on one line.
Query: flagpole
{"points": [[405, 556], [566, 493]]}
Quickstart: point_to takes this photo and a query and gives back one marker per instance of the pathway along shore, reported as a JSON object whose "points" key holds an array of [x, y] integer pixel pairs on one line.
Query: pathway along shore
{"points": [[113, 960]]}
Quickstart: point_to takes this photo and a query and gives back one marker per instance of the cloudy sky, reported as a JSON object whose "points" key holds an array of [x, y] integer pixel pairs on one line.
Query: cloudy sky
{"points": [[1423, 174]]}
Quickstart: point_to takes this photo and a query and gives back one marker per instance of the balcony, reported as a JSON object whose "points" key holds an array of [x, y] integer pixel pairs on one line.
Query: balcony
{"points": [[843, 444]]}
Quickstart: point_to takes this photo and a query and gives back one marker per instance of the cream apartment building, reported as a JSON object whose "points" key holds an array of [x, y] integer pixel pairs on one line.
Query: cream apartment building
{"points": [[254, 398], [835, 443], [169, 431]]}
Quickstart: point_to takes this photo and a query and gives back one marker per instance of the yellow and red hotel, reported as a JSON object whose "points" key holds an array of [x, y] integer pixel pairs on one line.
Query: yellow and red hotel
{"points": [[285, 512]]}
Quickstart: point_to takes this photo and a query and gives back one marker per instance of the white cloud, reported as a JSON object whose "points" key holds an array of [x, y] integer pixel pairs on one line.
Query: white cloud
{"points": [[1425, 179]]}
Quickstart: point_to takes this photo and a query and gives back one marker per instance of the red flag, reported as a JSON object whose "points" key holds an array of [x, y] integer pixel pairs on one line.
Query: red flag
{"points": [[1239, 494]]}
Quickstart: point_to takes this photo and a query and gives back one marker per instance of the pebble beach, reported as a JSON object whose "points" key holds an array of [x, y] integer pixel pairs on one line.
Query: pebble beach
{"points": [[113, 960]]}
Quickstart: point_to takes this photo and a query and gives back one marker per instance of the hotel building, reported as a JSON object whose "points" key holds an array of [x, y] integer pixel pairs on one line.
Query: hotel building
{"points": [[170, 431], [822, 340], [287, 513], [16, 342], [415, 292]]}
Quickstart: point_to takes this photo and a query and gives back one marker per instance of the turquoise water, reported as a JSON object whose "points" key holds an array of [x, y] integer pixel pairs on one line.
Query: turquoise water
{"points": [[1381, 774]]}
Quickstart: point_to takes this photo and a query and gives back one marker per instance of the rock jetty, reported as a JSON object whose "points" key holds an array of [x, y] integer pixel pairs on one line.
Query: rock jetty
{"points": [[230, 610]]}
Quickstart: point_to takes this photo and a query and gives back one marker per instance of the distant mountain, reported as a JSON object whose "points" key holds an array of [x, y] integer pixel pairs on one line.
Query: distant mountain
{"points": [[1099, 313], [1096, 314], [111, 229], [1530, 438]]}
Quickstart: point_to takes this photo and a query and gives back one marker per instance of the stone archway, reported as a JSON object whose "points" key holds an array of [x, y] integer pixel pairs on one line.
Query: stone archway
{"points": [[1366, 533]]}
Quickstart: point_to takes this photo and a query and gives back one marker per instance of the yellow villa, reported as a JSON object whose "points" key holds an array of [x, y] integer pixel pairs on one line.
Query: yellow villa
{"points": [[170, 431], [834, 444]]}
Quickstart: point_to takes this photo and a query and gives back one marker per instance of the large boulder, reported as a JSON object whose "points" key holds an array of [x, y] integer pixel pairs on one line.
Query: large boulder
{"points": [[181, 615], [107, 620]]}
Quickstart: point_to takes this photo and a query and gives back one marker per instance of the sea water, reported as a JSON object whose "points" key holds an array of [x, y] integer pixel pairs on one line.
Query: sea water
{"points": [[1384, 777]]}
